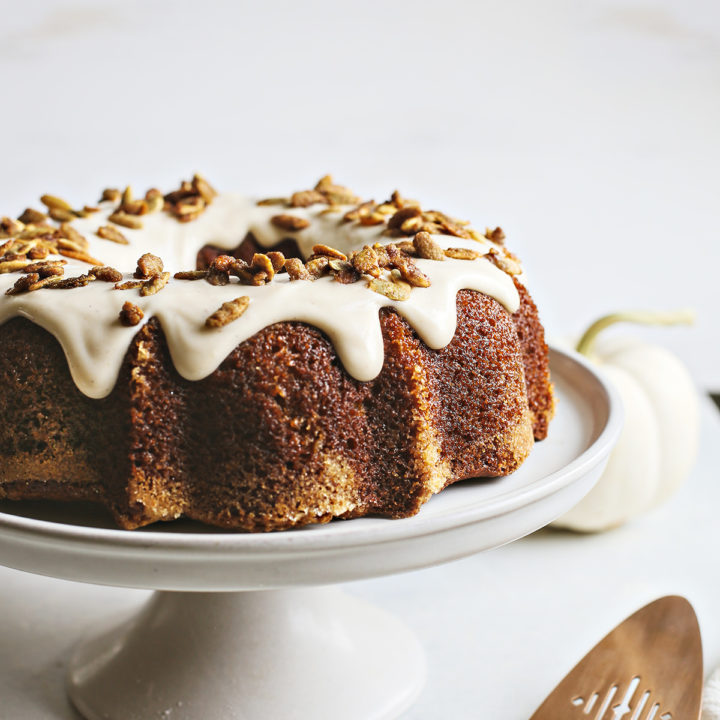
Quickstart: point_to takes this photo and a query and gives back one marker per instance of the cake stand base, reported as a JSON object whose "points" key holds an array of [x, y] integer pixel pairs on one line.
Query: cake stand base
{"points": [[285, 654]]}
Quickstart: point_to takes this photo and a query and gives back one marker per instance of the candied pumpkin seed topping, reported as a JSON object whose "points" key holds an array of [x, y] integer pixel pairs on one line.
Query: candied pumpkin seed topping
{"points": [[46, 268], [71, 282], [228, 312], [120, 217], [148, 266], [129, 285], [392, 289], [190, 200], [23, 284], [106, 274], [155, 284], [108, 232], [290, 223], [497, 235], [130, 315], [191, 275], [462, 253], [426, 247], [296, 269], [30, 217]]}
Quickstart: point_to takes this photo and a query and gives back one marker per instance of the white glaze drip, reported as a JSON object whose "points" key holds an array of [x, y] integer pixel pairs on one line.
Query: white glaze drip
{"points": [[85, 320]]}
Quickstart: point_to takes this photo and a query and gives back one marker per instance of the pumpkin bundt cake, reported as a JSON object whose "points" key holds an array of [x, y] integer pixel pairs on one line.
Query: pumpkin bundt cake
{"points": [[261, 365]]}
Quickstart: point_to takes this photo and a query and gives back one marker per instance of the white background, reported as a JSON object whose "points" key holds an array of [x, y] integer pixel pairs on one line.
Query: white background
{"points": [[589, 130]]}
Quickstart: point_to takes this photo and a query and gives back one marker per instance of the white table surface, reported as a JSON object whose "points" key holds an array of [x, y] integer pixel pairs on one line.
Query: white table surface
{"points": [[589, 131]]}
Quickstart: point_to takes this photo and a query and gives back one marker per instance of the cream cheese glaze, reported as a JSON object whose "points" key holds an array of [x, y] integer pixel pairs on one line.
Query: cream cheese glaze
{"points": [[85, 320]]}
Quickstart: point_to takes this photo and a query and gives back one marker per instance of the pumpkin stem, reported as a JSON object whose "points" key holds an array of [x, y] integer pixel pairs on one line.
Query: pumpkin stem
{"points": [[642, 317]]}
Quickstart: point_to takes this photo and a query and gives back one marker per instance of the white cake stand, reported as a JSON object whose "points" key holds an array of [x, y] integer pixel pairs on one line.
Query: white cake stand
{"points": [[240, 625]]}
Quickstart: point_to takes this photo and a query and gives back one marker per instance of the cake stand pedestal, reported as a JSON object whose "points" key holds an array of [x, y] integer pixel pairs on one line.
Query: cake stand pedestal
{"points": [[242, 625], [315, 653]]}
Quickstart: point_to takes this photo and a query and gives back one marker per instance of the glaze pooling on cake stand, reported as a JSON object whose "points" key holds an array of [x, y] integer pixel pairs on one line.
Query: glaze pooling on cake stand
{"points": [[278, 650]]}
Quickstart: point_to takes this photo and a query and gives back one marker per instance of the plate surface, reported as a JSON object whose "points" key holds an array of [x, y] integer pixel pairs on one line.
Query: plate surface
{"points": [[65, 541]]}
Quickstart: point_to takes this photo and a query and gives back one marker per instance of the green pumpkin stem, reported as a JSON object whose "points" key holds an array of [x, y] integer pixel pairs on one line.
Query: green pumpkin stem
{"points": [[640, 317]]}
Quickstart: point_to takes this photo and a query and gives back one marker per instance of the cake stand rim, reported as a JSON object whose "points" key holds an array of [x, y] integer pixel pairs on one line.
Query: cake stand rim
{"points": [[563, 362]]}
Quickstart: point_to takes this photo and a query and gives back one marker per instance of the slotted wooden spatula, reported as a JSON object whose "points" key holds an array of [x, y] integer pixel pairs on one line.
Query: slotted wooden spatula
{"points": [[649, 667]]}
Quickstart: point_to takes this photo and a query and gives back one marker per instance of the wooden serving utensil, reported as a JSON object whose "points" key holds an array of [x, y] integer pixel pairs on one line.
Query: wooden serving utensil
{"points": [[649, 667]]}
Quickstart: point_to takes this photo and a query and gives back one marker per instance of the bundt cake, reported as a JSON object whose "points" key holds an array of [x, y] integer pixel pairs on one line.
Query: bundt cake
{"points": [[261, 365]]}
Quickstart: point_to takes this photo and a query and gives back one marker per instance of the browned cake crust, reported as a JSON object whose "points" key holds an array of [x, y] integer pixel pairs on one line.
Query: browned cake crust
{"points": [[279, 435], [531, 337]]}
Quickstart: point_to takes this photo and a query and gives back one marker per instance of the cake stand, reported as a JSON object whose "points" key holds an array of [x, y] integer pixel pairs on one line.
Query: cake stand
{"points": [[242, 625]]}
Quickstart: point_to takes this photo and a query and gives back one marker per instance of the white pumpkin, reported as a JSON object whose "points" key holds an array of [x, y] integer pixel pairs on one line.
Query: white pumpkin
{"points": [[658, 444]]}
